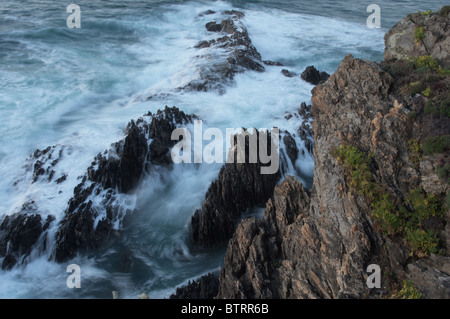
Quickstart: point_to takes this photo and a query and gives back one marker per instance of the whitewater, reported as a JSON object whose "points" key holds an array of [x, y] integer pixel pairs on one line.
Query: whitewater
{"points": [[77, 89]]}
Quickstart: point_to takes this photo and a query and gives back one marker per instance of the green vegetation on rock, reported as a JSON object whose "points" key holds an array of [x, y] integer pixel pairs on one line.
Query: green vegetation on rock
{"points": [[419, 34], [405, 219], [408, 291]]}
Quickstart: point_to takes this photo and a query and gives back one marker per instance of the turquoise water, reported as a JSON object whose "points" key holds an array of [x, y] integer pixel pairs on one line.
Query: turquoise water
{"points": [[80, 87]]}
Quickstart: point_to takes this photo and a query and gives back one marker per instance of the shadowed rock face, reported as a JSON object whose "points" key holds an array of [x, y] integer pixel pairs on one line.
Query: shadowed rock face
{"points": [[115, 172], [313, 76], [19, 233], [206, 287], [401, 41], [239, 186]]}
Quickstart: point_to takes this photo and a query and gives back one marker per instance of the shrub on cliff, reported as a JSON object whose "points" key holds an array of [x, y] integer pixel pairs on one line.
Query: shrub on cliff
{"points": [[406, 219]]}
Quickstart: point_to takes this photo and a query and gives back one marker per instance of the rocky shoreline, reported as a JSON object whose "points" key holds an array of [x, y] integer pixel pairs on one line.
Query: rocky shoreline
{"points": [[318, 244], [379, 133]]}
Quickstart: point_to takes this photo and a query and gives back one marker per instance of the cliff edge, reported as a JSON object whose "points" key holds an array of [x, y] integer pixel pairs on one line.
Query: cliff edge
{"points": [[380, 193]]}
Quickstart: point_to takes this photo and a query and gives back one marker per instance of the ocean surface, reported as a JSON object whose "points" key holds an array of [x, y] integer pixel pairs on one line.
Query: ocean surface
{"points": [[78, 88]]}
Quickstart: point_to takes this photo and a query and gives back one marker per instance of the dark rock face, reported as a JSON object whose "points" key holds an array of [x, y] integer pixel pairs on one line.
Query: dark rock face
{"points": [[401, 41], [43, 163], [19, 233], [205, 287], [113, 173], [313, 76], [239, 186], [240, 56], [291, 147], [304, 130], [122, 172]]}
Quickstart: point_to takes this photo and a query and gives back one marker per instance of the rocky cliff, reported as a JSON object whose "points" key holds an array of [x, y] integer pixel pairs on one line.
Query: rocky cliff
{"points": [[380, 191]]}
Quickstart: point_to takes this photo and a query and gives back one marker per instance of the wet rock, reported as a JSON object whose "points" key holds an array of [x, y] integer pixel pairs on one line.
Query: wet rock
{"points": [[203, 44], [207, 12], [205, 287], [213, 27], [272, 63], [305, 111], [89, 223], [291, 147], [304, 130], [288, 73], [43, 163], [235, 14], [240, 54], [239, 186], [313, 76], [18, 234]]}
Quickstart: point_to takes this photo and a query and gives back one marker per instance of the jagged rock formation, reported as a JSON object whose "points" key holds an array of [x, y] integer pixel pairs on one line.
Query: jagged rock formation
{"points": [[113, 174], [43, 163], [420, 34], [313, 76], [19, 233], [206, 287], [304, 130], [239, 186], [240, 54]]}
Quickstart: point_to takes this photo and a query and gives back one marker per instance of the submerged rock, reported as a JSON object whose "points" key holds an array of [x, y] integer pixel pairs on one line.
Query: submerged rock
{"points": [[94, 209], [288, 73]]}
